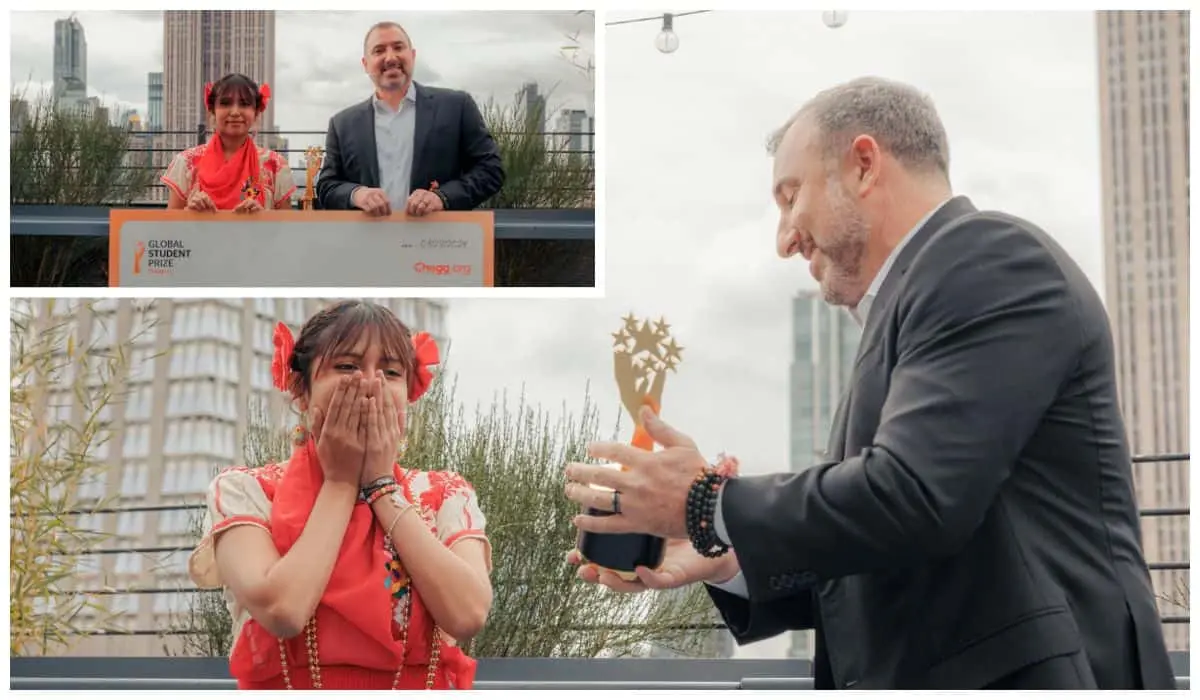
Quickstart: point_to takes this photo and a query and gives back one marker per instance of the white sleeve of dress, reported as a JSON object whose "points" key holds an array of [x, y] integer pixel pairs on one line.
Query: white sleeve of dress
{"points": [[234, 499], [460, 518]]}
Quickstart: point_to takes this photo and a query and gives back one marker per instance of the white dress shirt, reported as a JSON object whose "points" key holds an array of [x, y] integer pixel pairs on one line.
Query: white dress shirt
{"points": [[737, 584], [395, 131]]}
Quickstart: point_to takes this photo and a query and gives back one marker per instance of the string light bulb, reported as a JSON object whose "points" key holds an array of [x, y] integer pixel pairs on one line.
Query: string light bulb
{"points": [[834, 19], [667, 40]]}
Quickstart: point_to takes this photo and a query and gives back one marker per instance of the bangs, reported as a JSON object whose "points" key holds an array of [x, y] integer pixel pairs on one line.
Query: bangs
{"points": [[236, 91], [367, 325]]}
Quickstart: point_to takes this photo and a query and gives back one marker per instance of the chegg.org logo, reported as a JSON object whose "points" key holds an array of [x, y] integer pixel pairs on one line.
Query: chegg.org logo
{"points": [[441, 270]]}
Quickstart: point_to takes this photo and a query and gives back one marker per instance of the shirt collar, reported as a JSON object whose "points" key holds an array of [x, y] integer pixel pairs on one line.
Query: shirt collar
{"points": [[410, 97], [859, 313]]}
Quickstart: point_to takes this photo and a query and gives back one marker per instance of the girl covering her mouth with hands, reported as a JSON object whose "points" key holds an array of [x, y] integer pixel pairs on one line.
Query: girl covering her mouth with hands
{"points": [[231, 173], [341, 568]]}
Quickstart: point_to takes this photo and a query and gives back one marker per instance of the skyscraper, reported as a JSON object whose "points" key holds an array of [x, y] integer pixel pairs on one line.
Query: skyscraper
{"points": [[1144, 121], [574, 133], [196, 367], [824, 344], [202, 46], [154, 94], [1145, 165], [70, 61]]}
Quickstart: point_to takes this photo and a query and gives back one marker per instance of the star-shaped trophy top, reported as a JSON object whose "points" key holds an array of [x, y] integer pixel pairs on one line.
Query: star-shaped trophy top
{"points": [[643, 353]]}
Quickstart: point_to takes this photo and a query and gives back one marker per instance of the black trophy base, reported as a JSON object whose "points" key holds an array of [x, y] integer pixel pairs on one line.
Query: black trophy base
{"points": [[621, 554]]}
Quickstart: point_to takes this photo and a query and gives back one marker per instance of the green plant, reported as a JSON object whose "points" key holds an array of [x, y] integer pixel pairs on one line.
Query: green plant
{"points": [[71, 157], [514, 459], [537, 175], [67, 157], [50, 460]]}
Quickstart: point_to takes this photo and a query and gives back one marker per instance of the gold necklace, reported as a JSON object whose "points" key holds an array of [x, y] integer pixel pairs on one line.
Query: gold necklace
{"points": [[314, 660]]}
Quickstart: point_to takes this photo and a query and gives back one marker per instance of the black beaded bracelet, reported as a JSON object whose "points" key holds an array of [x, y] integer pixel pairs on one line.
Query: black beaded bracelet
{"points": [[701, 512], [365, 492]]}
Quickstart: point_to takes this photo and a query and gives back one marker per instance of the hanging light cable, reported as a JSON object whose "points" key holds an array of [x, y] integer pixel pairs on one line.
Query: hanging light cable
{"points": [[667, 40]]}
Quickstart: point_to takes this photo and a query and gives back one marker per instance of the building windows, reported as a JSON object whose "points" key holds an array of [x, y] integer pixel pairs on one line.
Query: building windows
{"points": [[206, 320], [138, 403], [128, 564], [91, 487], [131, 524], [293, 313], [135, 477], [209, 398], [201, 437], [137, 440], [104, 331], [184, 476], [264, 333]]}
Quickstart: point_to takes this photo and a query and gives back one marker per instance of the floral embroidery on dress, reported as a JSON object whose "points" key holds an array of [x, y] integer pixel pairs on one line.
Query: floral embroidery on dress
{"points": [[275, 179]]}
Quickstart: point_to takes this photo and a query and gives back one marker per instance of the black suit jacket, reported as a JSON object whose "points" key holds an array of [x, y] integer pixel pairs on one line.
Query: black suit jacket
{"points": [[976, 514], [451, 145]]}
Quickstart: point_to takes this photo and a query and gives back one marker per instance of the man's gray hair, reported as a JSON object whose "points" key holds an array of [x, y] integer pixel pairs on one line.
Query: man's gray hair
{"points": [[386, 24], [899, 117]]}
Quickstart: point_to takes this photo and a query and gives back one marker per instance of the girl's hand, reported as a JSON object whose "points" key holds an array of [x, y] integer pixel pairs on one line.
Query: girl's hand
{"points": [[248, 206], [200, 201], [384, 432], [342, 430]]}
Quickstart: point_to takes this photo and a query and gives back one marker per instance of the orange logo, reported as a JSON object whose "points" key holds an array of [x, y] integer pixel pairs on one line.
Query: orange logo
{"points": [[137, 257], [427, 269]]}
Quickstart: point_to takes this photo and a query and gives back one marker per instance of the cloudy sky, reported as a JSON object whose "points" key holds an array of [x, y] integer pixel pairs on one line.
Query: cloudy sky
{"points": [[691, 224], [318, 69]]}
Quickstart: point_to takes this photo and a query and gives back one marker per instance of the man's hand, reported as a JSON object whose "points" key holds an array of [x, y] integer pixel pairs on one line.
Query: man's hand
{"points": [[371, 200], [422, 202], [653, 486], [682, 566]]}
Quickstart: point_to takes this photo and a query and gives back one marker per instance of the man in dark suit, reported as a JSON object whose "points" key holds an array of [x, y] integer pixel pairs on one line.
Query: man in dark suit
{"points": [[974, 525], [409, 147]]}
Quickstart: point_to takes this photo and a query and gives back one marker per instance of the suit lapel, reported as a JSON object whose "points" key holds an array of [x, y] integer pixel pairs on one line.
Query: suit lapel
{"points": [[880, 309], [426, 118], [955, 208], [371, 157]]}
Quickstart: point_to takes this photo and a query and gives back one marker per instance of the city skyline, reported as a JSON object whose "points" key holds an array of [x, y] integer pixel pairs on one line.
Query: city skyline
{"points": [[318, 58]]}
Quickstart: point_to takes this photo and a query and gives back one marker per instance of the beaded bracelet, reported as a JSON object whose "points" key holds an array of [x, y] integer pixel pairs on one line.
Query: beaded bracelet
{"points": [[701, 509], [381, 492], [365, 492]]}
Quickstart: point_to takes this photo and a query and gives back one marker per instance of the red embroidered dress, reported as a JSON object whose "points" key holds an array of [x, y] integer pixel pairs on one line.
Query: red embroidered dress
{"points": [[372, 630], [271, 182]]}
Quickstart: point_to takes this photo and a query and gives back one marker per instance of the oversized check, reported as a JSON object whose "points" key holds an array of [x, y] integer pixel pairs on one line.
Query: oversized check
{"points": [[157, 248]]}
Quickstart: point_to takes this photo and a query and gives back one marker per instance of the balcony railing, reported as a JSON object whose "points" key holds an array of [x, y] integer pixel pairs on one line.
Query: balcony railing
{"points": [[153, 150], [108, 590]]}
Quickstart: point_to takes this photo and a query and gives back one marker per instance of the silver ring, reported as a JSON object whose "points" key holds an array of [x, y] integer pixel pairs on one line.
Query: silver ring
{"points": [[616, 502]]}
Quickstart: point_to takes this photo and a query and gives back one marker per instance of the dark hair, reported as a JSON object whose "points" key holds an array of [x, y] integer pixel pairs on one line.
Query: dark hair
{"points": [[386, 24], [237, 85], [338, 328]]}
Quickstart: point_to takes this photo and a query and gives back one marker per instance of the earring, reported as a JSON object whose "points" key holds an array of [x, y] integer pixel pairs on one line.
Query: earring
{"points": [[300, 433], [401, 448]]}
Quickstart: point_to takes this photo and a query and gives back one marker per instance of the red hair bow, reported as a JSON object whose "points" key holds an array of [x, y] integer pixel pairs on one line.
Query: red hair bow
{"points": [[427, 354], [264, 93], [281, 363], [207, 94]]}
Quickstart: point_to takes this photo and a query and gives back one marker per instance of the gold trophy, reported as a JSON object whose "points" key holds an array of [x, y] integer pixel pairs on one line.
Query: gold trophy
{"points": [[312, 163], [643, 353]]}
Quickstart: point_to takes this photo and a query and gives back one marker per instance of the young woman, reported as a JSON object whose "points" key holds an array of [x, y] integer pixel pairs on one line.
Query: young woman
{"points": [[341, 568], [230, 172]]}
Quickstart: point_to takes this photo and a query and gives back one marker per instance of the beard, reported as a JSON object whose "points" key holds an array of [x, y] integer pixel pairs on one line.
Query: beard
{"points": [[399, 81], [844, 249]]}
